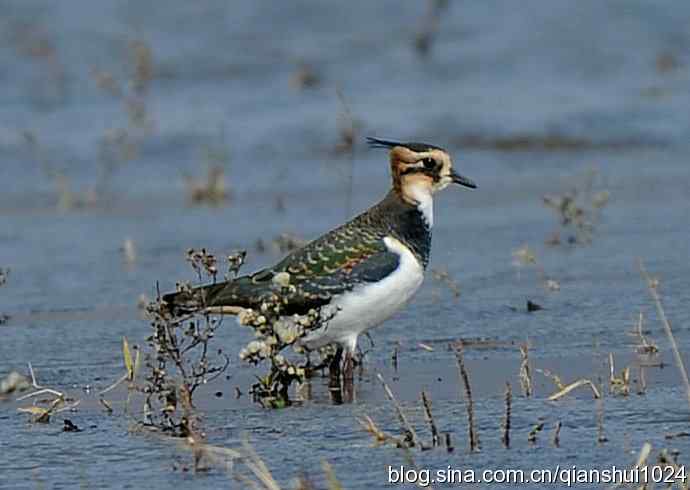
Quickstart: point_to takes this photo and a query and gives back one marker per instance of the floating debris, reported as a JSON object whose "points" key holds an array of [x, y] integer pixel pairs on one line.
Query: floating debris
{"points": [[69, 426], [532, 306]]}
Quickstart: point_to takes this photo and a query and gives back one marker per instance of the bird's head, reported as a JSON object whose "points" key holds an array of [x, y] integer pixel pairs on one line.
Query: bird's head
{"points": [[419, 168]]}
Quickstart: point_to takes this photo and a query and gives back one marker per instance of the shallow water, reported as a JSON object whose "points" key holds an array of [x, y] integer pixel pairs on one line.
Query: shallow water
{"points": [[527, 103]]}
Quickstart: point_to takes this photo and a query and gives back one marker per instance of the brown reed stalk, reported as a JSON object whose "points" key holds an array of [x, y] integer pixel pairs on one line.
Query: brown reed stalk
{"points": [[653, 286], [525, 371], [506, 420], [601, 436], [474, 437], [556, 437], [449, 443], [409, 431], [430, 419]]}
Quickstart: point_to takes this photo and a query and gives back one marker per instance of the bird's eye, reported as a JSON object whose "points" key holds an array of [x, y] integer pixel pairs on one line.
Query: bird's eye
{"points": [[429, 163]]}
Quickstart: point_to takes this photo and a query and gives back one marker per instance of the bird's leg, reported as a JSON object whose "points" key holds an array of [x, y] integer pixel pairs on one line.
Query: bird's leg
{"points": [[348, 377], [308, 368], [334, 368], [348, 368]]}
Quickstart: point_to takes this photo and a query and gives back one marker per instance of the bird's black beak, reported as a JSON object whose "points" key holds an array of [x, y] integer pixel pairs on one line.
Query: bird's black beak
{"points": [[459, 179]]}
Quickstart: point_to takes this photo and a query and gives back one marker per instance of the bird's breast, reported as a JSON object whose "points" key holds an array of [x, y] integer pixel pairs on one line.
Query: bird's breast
{"points": [[369, 304]]}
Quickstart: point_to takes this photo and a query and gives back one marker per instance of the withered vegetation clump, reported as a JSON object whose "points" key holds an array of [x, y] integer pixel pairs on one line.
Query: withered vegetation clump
{"points": [[181, 357], [578, 211]]}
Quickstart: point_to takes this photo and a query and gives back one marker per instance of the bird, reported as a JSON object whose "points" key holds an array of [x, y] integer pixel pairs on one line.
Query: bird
{"points": [[361, 272]]}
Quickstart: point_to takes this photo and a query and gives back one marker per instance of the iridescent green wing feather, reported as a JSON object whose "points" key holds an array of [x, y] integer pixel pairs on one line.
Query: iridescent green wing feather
{"points": [[328, 266]]}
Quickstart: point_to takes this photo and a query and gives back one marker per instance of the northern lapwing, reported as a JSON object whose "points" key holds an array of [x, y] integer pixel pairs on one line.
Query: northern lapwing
{"points": [[363, 271]]}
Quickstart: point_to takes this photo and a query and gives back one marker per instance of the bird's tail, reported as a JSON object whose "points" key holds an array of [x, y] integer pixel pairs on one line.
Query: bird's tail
{"points": [[241, 292], [192, 300]]}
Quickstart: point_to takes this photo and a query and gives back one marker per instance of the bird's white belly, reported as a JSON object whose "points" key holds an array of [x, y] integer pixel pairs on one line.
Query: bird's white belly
{"points": [[371, 304]]}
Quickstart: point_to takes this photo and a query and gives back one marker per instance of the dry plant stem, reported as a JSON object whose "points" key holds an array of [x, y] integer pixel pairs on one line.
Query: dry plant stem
{"points": [[224, 310], [333, 483], [601, 437], [474, 438], [114, 385], [258, 467], [449, 443], [106, 405], [506, 420], [641, 461], [645, 346], [380, 437], [41, 389], [668, 460], [652, 285], [407, 428], [567, 389], [556, 439], [642, 382], [430, 419], [532, 436], [525, 372]]}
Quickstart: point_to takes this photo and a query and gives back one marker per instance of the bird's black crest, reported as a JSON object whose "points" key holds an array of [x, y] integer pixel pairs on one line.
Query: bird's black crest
{"points": [[419, 147]]}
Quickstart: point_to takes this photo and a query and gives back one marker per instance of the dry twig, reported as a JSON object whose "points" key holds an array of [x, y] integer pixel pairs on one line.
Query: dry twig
{"points": [[430, 419], [410, 434], [653, 286], [506, 419], [474, 437], [525, 371]]}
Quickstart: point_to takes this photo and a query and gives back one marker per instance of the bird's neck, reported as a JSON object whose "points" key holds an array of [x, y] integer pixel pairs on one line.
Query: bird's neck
{"points": [[416, 190], [419, 195], [409, 219]]}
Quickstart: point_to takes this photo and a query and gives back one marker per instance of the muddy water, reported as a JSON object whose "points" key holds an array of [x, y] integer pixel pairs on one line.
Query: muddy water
{"points": [[524, 99]]}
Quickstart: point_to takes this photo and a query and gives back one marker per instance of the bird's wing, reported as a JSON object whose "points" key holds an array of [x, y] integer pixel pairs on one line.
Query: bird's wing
{"points": [[331, 265]]}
